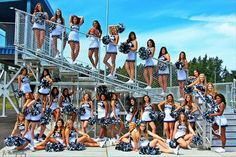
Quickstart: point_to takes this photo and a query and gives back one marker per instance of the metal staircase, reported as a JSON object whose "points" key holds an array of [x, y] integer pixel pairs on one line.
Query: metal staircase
{"points": [[26, 52]]}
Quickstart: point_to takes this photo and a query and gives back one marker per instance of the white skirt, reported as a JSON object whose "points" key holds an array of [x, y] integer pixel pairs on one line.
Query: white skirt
{"points": [[25, 88], [146, 117]]}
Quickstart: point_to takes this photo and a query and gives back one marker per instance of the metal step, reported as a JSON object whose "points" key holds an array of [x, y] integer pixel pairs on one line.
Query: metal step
{"points": [[229, 142]]}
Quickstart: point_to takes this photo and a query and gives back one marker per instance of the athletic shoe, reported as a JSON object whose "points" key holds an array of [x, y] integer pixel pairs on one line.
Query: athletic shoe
{"points": [[130, 81], [32, 148], [189, 147], [102, 143], [176, 150], [181, 99], [220, 150], [148, 87]]}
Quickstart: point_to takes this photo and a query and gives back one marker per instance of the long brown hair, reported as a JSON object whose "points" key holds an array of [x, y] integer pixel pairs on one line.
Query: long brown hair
{"points": [[36, 8], [18, 116], [182, 52], [188, 103], [60, 16], [185, 121], [145, 131]]}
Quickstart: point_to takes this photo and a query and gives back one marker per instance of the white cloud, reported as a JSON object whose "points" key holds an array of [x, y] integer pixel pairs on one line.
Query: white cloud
{"points": [[214, 18]]}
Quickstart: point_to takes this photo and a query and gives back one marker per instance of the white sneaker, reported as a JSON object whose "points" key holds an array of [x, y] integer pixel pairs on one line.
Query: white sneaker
{"points": [[163, 93], [32, 148], [94, 69], [220, 150], [74, 62], [57, 56], [40, 139], [102, 143], [117, 137], [130, 81], [176, 150], [113, 141], [37, 51], [148, 87], [168, 141], [189, 147], [110, 75], [181, 99]]}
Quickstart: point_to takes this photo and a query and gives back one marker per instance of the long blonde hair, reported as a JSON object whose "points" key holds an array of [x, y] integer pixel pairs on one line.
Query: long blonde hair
{"points": [[213, 92]]}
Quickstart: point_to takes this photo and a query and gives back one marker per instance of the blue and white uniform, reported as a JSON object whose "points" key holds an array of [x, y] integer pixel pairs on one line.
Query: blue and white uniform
{"points": [[111, 47], [181, 74], [21, 127], [220, 120], [167, 109], [101, 110], [181, 131], [44, 87], [55, 103], [36, 110], [188, 110], [94, 41], [39, 24], [163, 68], [146, 113], [25, 84], [58, 136], [131, 56], [130, 113], [87, 107], [57, 32], [117, 110], [66, 101], [143, 141], [149, 62], [73, 135], [74, 34]]}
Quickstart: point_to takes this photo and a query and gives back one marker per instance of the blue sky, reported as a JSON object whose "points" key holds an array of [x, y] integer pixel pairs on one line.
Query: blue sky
{"points": [[196, 27]]}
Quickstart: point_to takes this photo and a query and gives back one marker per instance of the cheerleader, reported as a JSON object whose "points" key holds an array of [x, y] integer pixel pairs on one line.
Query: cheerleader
{"points": [[199, 87], [95, 34], [115, 107], [220, 122], [157, 142], [25, 108], [103, 109], [131, 137], [24, 82], [65, 100], [21, 125], [182, 73], [39, 18], [58, 31], [189, 108], [146, 109], [71, 136], [36, 108], [112, 51], [54, 103], [183, 133], [169, 121], [87, 104], [73, 38], [149, 64], [45, 83], [163, 68], [133, 111], [210, 91], [57, 133], [196, 74], [131, 57]]}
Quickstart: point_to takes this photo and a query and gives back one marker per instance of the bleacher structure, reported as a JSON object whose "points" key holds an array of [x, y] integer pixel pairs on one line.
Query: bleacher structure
{"points": [[80, 76]]}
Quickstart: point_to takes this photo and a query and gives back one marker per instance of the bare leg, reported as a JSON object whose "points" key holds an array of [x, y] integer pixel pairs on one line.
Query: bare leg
{"points": [[84, 126], [72, 46], [165, 82], [145, 76], [105, 61], [73, 116], [166, 128], [150, 70], [153, 126], [37, 38], [181, 88], [77, 48], [112, 130], [41, 146], [160, 81], [171, 127], [121, 128], [55, 45], [96, 57], [42, 130], [132, 70], [113, 63], [127, 67], [42, 36], [22, 147]]}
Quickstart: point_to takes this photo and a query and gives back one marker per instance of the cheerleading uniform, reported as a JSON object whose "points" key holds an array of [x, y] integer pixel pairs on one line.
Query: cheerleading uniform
{"points": [[168, 109], [27, 114], [181, 74], [73, 135], [21, 127], [57, 32], [188, 110], [58, 136], [101, 110], [220, 120], [44, 87], [163, 68], [36, 111], [146, 113], [55, 103], [111, 47], [131, 57], [94, 42], [25, 84], [149, 62], [87, 114], [130, 113], [74, 34], [181, 131], [39, 24], [117, 110], [143, 141]]}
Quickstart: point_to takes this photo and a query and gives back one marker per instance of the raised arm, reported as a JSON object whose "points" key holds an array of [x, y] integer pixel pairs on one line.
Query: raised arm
{"points": [[81, 20]]}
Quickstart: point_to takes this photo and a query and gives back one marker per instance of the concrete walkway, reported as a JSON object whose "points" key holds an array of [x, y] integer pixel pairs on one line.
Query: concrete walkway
{"points": [[111, 152]]}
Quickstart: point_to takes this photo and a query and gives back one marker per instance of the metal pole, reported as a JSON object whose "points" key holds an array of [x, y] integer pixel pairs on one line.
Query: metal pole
{"points": [[4, 95], [107, 14]]}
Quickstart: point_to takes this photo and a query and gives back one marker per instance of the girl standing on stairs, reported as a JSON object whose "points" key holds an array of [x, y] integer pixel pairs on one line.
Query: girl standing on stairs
{"points": [[38, 19], [58, 31], [54, 103], [220, 121], [73, 38], [24, 82], [112, 51], [131, 57], [87, 104], [149, 64], [95, 34]]}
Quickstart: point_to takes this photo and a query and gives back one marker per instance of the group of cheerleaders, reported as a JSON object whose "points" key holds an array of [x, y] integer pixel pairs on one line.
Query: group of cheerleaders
{"points": [[95, 34], [180, 129]]}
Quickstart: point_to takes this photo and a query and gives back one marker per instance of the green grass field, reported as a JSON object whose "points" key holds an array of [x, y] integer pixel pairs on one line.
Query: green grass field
{"points": [[8, 105]]}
